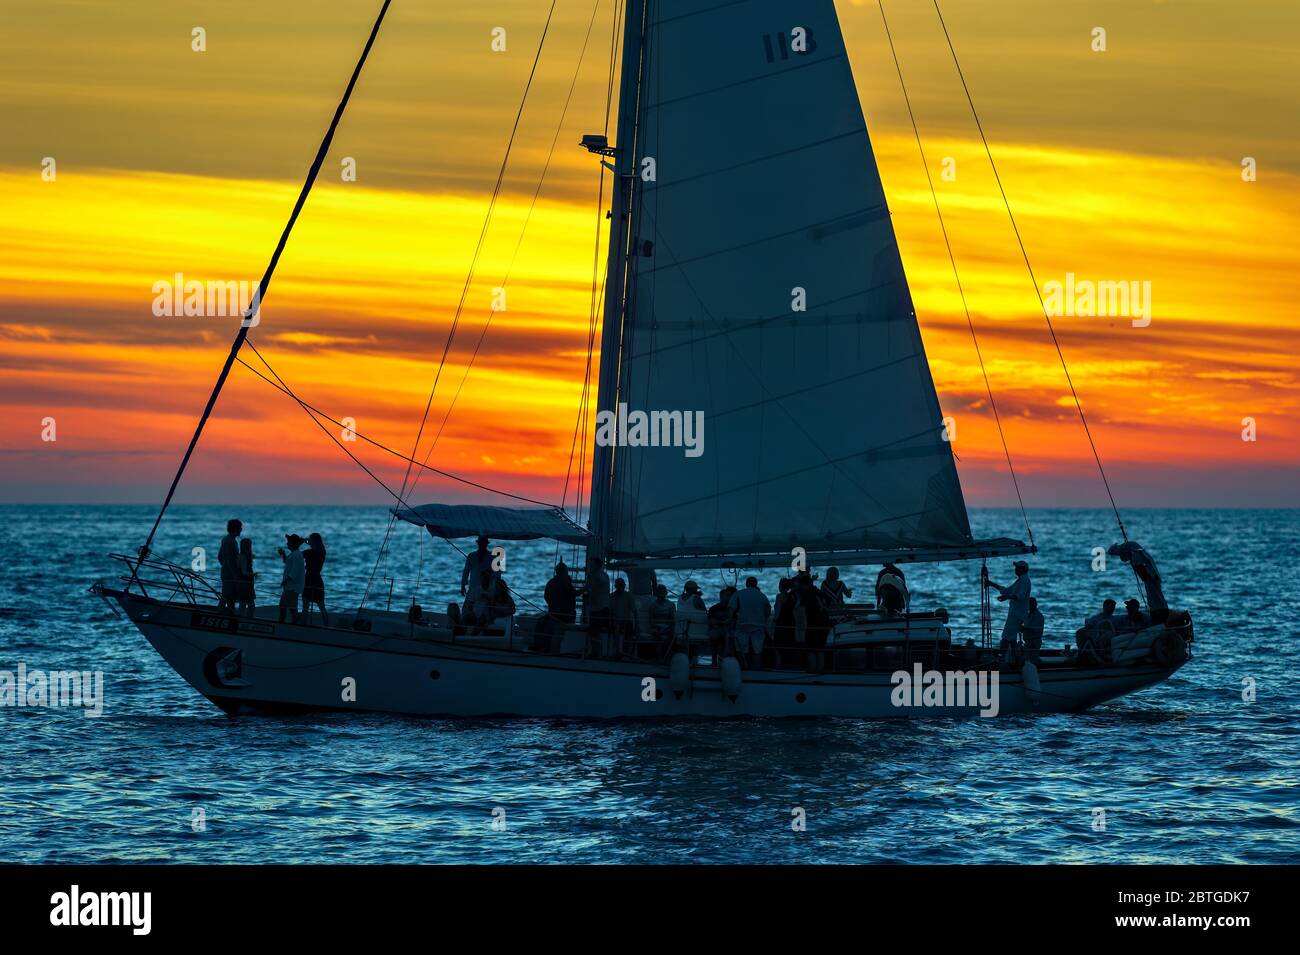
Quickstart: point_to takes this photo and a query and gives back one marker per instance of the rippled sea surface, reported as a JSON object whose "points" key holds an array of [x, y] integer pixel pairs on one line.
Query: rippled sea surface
{"points": [[1186, 771]]}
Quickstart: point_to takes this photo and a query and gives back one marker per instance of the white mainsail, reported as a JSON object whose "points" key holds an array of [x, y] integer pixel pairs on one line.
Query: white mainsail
{"points": [[765, 289]]}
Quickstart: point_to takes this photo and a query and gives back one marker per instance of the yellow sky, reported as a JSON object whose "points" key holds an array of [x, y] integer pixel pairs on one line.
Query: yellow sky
{"points": [[1123, 165]]}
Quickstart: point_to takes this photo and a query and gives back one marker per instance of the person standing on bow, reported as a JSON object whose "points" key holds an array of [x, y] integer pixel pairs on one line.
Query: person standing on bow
{"points": [[228, 558], [245, 592], [313, 592], [294, 579], [1017, 597]]}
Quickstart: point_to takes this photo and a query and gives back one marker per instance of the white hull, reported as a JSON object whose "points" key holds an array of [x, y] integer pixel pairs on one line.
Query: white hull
{"points": [[264, 666]]}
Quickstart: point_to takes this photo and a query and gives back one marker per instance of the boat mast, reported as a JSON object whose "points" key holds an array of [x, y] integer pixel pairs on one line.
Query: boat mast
{"points": [[618, 285], [265, 284]]}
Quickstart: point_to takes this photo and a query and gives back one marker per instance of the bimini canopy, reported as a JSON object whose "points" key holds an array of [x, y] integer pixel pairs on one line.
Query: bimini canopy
{"points": [[498, 523]]}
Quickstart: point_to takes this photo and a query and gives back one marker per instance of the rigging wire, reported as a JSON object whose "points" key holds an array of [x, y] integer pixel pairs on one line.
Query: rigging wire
{"points": [[469, 278], [652, 64], [559, 126], [487, 221], [311, 413], [628, 198], [265, 284], [462, 553], [584, 400], [597, 299], [327, 431], [314, 413], [1025, 255], [282, 386], [284, 389], [988, 388]]}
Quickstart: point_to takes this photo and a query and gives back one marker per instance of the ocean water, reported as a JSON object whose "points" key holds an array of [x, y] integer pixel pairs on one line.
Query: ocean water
{"points": [[1187, 771]]}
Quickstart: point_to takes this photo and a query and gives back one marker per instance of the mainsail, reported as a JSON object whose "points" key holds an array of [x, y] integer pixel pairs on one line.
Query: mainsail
{"points": [[763, 286]]}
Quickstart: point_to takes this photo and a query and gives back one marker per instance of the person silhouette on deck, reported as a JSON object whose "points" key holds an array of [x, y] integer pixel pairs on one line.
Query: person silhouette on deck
{"points": [[663, 616], [478, 603], [783, 622], [1031, 631], [811, 617], [622, 612], [1105, 617], [1131, 552], [752, 611], [294, 579], [891, 590], [1098, 630], [313, 592], [1134, 616], [561, 598], [497, 603], [476, 561], [561, 609], [720, 621], [692, 612], [595, 600], [835, 590], [1017, 597], [245, 592], [228, 558]]}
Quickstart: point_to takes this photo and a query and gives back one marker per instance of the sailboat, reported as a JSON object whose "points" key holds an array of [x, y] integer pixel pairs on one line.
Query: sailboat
{"points": [[753, 283]]}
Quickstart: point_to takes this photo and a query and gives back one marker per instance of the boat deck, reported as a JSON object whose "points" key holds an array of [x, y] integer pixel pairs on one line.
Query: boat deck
{"points": [[862, 640], [857, 645]]}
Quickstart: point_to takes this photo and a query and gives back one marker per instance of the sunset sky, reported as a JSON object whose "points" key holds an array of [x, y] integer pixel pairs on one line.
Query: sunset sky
{"points": [[1123, 165]]}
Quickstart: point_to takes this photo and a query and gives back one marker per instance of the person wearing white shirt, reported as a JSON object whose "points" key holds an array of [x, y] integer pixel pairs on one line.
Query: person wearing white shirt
{"points": [[294, 579], [692, 616], [1017, 597], [752, 609]]}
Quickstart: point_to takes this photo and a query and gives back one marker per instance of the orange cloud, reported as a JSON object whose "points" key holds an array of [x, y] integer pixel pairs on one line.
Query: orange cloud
{"points": [[362, 304]]}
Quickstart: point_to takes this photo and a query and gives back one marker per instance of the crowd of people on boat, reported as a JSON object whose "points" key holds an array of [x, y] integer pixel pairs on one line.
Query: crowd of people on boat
{"points": [[791, 630], [487, 597], [1099, 631], [300, 579], [1024, 623]]}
